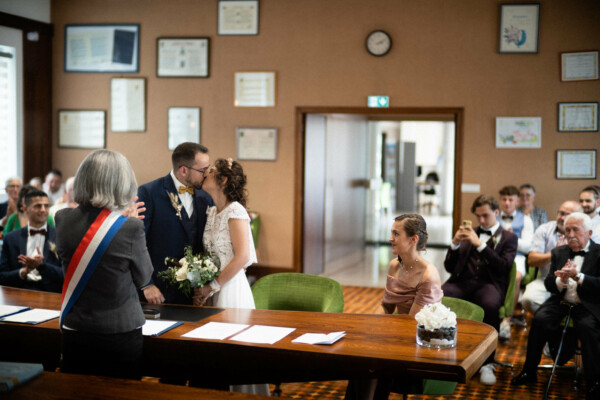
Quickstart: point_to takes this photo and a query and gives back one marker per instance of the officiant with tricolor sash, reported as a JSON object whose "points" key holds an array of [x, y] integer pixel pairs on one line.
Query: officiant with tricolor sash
{"points": [[105, 261]]}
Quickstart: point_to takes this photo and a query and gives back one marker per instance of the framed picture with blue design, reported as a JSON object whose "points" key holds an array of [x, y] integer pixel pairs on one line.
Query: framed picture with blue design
{"points": [[519, 28]]}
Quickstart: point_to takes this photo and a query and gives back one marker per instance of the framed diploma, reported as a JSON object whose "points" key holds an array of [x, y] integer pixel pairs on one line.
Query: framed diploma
{"points": [[576, 164], [519, 132], [578, 117], [184, 125], [102, 48], [580, 66], [256, 144], [82, 129], [254, 89], [519, 28], [182, 57], [128, 104], [238, 17]]}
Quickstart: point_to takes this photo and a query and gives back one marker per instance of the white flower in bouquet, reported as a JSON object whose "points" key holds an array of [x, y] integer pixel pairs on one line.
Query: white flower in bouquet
{"points": [[190, 272], [436, 316]]}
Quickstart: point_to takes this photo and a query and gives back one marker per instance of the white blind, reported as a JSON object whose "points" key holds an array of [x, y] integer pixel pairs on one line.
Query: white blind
{"points": [[8, 113]]}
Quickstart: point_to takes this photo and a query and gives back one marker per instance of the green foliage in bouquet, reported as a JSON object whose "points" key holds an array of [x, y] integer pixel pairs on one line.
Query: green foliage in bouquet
{"points": [[192, 271]]}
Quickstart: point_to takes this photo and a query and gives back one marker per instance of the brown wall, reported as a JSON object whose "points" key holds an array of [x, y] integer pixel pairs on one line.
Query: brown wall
{"points": [[444, 55]]}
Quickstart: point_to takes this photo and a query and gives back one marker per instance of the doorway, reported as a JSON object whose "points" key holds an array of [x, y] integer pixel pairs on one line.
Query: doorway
{"points": [[346, 172]]}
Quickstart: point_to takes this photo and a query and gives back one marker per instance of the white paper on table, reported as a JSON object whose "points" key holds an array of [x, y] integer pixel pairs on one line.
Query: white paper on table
{"points": [[320, 338], [8, 310], [34, 316], [263, 334], [157, 328], [215, 330]]}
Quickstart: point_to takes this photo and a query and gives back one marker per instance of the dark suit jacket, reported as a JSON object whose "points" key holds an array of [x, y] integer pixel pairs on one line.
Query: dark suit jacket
{"points": [[166, 234], [589, 290], [109, 303], [3, 208], [15, 244], [496, 259]]}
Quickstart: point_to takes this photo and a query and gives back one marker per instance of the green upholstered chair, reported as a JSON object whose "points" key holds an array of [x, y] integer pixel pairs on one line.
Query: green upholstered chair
{"points": [[506, 310], [463, 309], [298, 292], [254, 226]]}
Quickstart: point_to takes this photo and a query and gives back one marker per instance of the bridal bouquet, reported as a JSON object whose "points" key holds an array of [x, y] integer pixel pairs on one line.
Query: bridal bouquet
{"points": [[192, 271]]}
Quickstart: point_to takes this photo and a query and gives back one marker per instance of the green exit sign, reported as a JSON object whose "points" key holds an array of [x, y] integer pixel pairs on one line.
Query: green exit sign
{"points": [[379, 101]]}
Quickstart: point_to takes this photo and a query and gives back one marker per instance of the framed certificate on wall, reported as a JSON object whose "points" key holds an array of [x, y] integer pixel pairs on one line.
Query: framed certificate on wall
{"points": [[576, 164], [102, 48], [182, 57], [82, 129], [578, 117], [238, 17], [256, 144], [254, 89], [184, 125]]}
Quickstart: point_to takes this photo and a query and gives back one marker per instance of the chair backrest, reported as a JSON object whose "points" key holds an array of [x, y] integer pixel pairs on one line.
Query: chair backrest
{"points": [[506, 310], [298, 292], [463, 308]]}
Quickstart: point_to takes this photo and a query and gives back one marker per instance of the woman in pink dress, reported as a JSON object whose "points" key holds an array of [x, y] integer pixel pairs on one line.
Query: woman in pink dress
{"points": [[412, 283]]}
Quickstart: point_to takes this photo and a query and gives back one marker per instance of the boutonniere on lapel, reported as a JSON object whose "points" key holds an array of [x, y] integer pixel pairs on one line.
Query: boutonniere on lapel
{"points": [[52, 247], [496, 240], [175, 203]]}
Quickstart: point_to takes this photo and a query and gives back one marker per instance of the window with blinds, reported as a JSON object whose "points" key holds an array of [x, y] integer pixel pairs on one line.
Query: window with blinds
{"points": [[8, 114]]}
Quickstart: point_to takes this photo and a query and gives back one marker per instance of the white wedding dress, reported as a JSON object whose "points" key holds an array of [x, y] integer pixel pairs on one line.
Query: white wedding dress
{"points": [[236, 293], [217, 239]]}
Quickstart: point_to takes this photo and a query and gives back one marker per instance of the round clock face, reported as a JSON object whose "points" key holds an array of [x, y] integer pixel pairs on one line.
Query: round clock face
{"points": [[379, 43]]}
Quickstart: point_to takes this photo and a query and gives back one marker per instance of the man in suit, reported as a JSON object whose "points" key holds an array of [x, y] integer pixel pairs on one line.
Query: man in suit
{"points": [[573, 281], [29, 258], [480, 261], [515, 221], [9, 207], [175, 216]]}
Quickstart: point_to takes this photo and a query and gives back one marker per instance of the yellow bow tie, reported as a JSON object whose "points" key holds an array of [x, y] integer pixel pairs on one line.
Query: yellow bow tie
{"points": [[189, 189]]}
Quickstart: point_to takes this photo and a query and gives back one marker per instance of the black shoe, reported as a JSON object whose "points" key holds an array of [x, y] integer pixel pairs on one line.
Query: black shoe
{"points": [[593, 392], [523, 378]]}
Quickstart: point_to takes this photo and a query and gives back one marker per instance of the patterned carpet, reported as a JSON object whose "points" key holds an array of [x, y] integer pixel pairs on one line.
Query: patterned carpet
{"points": [[365, 300]]}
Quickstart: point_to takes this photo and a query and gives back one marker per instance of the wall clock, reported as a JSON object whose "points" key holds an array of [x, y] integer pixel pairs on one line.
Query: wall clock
{"points": [[378, 43]]}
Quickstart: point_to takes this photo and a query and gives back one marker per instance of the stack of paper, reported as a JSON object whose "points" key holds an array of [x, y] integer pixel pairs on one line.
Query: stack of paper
{"points": [[263, 334], [34, 316], [320, 338], [8, 310], [215, 331], [157, 328]]}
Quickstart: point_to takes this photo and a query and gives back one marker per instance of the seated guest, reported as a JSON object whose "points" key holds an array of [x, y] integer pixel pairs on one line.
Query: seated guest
{"points": [[20, 218], [480, 261], [9, 207], [574, 280], [29, 259], [526, 205], [546, 237], [69, 203], [37, 183], [53, 186], [101, 318], [589, 198], [412, 283], [515, 221]]}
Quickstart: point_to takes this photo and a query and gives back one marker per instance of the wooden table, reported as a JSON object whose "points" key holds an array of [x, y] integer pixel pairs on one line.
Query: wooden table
{"points": [[374, 346], [54, 385]]}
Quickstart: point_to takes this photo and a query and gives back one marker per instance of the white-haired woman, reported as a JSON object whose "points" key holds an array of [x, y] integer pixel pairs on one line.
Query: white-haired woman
{"points": [[101, 315]]}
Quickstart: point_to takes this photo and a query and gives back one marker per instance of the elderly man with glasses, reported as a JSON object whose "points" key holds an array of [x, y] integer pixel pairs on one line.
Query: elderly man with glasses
{"points": [[9, 207]]}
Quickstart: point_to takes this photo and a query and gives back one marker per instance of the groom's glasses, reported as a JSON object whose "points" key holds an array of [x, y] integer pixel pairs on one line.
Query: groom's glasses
{"points": [[201, 170]]}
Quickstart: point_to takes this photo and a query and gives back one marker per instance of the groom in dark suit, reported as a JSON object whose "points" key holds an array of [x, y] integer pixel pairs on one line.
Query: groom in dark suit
{"points": [[479, 261], [29, 258], [573, 281], [175, 216]]}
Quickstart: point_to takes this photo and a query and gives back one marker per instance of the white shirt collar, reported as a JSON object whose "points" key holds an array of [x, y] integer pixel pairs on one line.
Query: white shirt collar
{"points": [[176, 181]]}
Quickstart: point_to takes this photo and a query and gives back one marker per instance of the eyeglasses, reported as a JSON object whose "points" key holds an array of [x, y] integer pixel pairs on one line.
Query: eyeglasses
{"points": [[201, 170], [563, 214]]}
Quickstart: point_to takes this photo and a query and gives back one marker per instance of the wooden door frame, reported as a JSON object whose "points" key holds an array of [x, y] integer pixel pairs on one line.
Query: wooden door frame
{"points": [[374, 113]]}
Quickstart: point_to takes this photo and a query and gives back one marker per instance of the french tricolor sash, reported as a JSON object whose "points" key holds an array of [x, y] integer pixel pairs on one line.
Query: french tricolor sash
{"points": [[87, 255]]}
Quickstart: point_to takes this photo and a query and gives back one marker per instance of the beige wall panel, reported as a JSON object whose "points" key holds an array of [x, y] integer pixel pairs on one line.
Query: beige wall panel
{"points": [[444, 55]]}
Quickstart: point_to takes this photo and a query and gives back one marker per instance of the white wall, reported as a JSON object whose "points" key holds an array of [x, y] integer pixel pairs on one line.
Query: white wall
{"points": [[38, 10]]}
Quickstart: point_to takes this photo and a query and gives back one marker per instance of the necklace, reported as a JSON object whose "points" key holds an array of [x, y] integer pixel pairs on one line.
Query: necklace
{"points": [[405, 269]]}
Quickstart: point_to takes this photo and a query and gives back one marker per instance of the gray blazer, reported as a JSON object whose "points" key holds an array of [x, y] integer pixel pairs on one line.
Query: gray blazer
{"points": [[109, 303]]}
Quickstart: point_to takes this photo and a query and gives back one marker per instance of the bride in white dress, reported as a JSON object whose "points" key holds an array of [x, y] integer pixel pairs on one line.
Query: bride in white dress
{"points": [[227, 235]]}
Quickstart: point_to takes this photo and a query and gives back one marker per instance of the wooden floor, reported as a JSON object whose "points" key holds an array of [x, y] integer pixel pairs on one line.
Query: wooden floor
{"points": [[365, 300]]}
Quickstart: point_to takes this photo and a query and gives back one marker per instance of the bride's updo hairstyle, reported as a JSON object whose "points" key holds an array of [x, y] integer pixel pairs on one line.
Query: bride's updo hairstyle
{"points": [[414, 224], [235, 186]]}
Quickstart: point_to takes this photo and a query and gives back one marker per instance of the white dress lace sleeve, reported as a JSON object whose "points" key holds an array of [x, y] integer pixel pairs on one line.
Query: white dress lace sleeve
{"points": [[235, 293]]}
